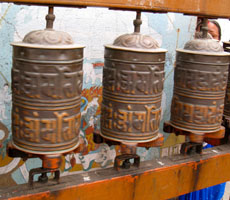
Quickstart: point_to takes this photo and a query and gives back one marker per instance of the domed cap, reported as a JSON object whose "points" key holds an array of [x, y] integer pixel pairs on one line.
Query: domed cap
{"points": [[48, 37], [204, 45], [136, 41], [203, 41]]}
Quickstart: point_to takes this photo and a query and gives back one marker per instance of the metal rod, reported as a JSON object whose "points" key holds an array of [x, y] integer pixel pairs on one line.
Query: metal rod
{"points": [[204, 28], [137, 22], [50, 18]]}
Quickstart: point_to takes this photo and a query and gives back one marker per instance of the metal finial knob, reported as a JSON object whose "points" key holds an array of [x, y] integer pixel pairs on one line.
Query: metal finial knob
{"points": [[50, 18], [137, 22], [204, 28]]}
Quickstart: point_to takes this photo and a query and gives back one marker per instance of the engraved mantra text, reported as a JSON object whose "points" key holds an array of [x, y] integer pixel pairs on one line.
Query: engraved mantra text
{"points": [[198, 114], [132, 82], [62, 83], [54, 130], [131, 121], [200, 80]]}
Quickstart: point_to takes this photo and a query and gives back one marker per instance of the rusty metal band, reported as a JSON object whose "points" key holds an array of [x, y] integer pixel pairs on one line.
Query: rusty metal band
{"points": [[128, 97], [198, 130], [129, 134], [138, 101], [27, 101], [47, 108], [203, 63], [57, 102], [54, 146], [46, 152], [137, 140], [187, 127], [49, 62], [131, 62], [220, 94], [197, 96]]}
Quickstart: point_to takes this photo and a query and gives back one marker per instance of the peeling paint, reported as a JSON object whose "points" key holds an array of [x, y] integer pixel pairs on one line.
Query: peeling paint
{"points": [[161, 163], [86, 178]]}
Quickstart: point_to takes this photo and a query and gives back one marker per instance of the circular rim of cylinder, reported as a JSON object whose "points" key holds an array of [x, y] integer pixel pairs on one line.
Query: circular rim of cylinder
{"points": [[204, 52], [158, 50], [40, 46]]}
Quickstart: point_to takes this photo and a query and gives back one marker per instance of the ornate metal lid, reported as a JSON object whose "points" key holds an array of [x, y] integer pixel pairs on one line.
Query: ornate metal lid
{"points": [[204, 47], [48, 38], [203, 43], [136, 41]]}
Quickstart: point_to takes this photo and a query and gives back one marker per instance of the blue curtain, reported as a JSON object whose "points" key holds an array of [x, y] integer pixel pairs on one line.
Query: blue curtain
{"points": [[211, 193]]}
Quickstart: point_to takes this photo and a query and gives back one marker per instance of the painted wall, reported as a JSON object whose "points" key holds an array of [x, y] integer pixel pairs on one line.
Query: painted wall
{"points": [[225, 31], [92, 27]]}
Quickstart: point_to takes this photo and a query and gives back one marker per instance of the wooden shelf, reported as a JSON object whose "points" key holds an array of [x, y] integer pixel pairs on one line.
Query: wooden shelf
{"points": [[211, 8], [156, 179]]}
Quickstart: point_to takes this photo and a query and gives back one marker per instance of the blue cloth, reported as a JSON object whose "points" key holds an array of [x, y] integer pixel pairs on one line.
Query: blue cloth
{"points": [[211, 193]]}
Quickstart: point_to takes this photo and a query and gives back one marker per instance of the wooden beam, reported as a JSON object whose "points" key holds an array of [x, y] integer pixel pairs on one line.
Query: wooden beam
{"points": [[157, 179], [213, 8]]}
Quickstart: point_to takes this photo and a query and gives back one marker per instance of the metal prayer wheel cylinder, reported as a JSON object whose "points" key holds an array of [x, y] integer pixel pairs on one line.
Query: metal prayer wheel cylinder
{"points": [[133, 77], [200, 81], [226, 46], [46, 84]]}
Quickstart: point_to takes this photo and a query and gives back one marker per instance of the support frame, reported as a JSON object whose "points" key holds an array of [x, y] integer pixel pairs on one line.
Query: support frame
{"points": [[213, 8], [156, 179]]}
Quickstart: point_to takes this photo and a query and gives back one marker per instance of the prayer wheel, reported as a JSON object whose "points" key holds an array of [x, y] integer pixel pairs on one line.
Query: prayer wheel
{"points": [[226, 46], [133, 78], [46, 86], [200, 82]]}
